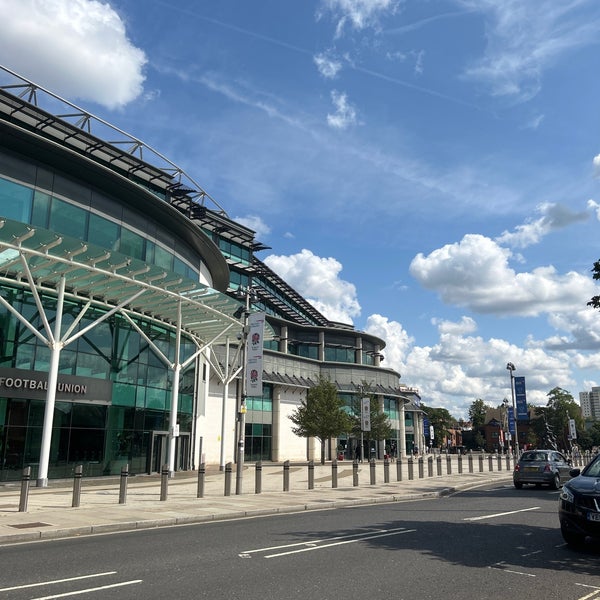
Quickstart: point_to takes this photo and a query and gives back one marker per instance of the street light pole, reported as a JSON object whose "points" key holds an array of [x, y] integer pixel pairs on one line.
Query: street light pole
{"points": [[511, 368]]}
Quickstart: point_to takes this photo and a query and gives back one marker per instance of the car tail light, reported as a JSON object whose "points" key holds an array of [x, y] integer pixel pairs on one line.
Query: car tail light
{"points": [[547, 468], [517, 467]]}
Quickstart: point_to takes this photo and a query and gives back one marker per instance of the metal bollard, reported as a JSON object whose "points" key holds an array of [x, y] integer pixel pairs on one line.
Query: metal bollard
{"points": [[355, 473], [201, 480], [311, 474], [334, 473], [460, 465], [228, 471], [258, 478], [25, 483], [470, 460], [499, 459], [372, 467], [438, 461], [399, 469], [164, 483], [123, 484], [508, 462], [481, 463], [448, 465], [421, 464], [430, 466], [286, 476], [386, 470], [75, 502], [411, 473], [490, 463]]}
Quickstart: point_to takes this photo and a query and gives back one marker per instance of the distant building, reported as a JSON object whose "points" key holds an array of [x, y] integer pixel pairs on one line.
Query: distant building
{"points": [[590, 403]]}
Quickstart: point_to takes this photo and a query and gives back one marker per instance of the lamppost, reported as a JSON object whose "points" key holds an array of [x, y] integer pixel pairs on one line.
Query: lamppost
{"points": [[505, 426], [511, 368], [249, 294]]}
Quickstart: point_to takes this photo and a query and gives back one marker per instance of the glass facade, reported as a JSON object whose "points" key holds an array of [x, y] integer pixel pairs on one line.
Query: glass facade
{"points": [[258, 436]]}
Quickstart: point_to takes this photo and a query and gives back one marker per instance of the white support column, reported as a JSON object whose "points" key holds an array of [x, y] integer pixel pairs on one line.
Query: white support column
{"points": [[55, 348], [173, 425], [402, 441], [224, 405]]}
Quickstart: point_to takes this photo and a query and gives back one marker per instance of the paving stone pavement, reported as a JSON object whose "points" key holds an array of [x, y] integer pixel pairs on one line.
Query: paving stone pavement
{"points": [[155, 501]]}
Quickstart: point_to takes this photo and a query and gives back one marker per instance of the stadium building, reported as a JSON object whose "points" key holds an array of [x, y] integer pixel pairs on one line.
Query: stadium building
{"points": [[125, 290]]}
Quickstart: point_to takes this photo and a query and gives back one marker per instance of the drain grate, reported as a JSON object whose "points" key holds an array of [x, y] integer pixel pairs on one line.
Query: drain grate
{"points": [[30, 525]]}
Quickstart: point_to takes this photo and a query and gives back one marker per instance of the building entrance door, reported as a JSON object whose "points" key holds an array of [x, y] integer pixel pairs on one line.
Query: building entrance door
{"points": [[159, 451]]}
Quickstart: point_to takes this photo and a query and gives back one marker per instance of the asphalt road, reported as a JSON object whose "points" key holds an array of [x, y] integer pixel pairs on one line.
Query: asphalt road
{"points": [[494, 542]]}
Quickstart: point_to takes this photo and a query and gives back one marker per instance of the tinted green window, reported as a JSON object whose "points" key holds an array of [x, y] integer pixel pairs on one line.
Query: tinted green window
{"points": [[41, 209], [68, 219], [15, 201], [103, 232], [132, 244], [163, 258]]}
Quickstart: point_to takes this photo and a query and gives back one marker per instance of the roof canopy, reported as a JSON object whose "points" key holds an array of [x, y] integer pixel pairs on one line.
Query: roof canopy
{"points": [[109, 279]]}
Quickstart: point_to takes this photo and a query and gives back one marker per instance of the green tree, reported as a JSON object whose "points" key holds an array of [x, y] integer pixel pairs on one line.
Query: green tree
{"points": [[552, 425], [477, 413], [441, 420], [321, 415]]}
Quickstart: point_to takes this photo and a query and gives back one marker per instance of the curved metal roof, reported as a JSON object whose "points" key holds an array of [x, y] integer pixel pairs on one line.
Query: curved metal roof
{"points": [[110, 279]]}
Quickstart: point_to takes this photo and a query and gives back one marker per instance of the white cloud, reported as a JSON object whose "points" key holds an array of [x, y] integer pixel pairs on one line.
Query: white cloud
{"points": [[526, 38], [345, 114], [595, 207], [328, 67], [255, 223], [596, 163], [554, 216], [358, 14], [474, 273], [317, 279], [77, 48]]}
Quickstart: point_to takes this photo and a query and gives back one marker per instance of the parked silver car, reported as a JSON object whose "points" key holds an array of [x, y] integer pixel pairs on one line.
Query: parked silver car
{"points": [[542, 467]]}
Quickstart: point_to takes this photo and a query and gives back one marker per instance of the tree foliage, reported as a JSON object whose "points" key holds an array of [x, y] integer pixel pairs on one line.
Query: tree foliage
{"points": [[381, 428], [595, 301], [321, 414], [477, 413], [552, 425], [441, 420]]}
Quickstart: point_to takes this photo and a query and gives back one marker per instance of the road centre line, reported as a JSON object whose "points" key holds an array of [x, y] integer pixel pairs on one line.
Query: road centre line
{"points": [[342, 543], [503, 514], [87, 591], [337, 537], [79, 578]]}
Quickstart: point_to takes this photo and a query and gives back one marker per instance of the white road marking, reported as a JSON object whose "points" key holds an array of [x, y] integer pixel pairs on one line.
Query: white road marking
{"points": [[591, 595], [512, 512], [87, 591], [498, 567], [31, 585]]}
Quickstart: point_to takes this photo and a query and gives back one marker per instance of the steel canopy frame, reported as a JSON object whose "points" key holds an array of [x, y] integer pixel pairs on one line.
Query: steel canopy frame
{"points": [[67, 268]]}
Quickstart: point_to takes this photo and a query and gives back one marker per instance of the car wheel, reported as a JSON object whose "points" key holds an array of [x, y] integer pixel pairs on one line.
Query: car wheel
{"points": [[575, 540], [555, 482], [518, 484]]}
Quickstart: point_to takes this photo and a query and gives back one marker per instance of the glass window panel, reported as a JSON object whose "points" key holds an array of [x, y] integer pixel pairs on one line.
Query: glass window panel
{"points": [[89, 415], [123, 394], [132, 244], [163, 258], [68, 219], [15, 201], [156, 398], [103, 232], [41, 209]]}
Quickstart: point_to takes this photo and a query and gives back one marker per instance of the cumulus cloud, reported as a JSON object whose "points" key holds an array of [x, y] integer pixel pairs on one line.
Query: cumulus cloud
{"points": [[595, 207], [475, 273], [554, 216], [398, 341], [345, 113], [78, 49], [317, 279], [596, 163], [357, 14], [255, 223], [328, 66], [526, 38]]}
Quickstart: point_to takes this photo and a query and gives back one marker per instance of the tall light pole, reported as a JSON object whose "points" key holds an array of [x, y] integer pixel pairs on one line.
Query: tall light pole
{"points": [[247, 293], [511, 368]]}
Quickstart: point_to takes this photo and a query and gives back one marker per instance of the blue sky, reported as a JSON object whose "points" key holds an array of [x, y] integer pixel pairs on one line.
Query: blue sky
{"points": [[426, 170]]}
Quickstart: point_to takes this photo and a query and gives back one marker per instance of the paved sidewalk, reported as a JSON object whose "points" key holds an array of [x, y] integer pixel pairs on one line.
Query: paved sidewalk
{"points": [[50, 514]]}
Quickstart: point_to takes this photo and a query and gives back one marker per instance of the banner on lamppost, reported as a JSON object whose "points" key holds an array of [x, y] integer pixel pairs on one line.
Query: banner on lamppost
{"points": [[431, 436], [254, 354], [521, 399], [511, 420], [365, 414], [572, 430]]}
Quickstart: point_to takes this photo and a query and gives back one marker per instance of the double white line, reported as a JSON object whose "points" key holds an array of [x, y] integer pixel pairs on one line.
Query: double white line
{"points": [[69, 579], [325, 543]]}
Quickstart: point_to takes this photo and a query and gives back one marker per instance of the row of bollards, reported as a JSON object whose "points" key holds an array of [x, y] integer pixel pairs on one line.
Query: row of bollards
{"points": [[165, 475]]}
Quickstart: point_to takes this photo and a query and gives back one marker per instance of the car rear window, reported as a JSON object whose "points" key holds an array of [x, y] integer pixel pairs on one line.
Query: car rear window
{"points": [[534, 456]]}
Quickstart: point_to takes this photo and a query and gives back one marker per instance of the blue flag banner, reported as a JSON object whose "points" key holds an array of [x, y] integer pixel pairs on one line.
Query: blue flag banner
{"points": [[521, 399], [511, 421]]}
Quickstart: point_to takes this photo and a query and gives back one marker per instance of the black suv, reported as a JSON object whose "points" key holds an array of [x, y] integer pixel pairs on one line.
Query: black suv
{"points": [[579, 504]]}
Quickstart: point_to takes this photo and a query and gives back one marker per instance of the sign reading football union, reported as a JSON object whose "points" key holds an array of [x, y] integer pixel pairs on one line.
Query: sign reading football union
{"points": [[21, 383], [521, 399], [254, 354]]}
